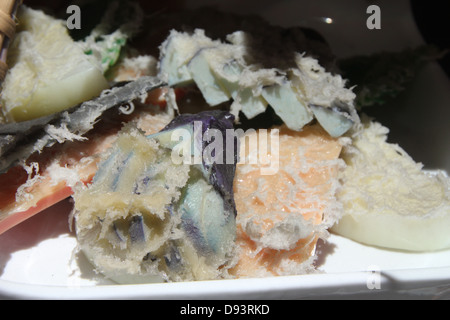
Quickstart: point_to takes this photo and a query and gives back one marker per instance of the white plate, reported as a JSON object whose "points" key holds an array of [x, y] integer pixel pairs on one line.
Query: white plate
{"points": [[38, 258]]}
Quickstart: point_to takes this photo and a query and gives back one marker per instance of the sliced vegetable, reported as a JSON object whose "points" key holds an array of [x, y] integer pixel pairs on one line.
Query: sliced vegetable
{"points": [[287, 105], [48, 71], [176, 51], [335, 120], [148, 218], [232, 70], [205, 79]]}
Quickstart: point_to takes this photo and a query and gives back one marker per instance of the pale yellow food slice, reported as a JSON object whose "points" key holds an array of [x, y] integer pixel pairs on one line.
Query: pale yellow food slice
{"points": [[48, 71], [389, 200]]}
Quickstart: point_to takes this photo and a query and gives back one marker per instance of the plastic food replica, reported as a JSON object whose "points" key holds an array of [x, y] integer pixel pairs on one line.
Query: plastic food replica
{"points": [[202, 152]]}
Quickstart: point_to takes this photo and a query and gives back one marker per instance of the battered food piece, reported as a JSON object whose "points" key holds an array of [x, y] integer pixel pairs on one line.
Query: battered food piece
{"points": [[389, 200], [48, 72], [297, 87], [281, 215], [147, 218]]}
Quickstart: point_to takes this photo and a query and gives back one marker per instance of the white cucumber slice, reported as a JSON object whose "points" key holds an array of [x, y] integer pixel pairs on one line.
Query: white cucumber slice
{"points": [[287, 106], [176, 52], [247, 102], [212, 90], [251, 105], [334, 121], [177, 72], [173, 63]]}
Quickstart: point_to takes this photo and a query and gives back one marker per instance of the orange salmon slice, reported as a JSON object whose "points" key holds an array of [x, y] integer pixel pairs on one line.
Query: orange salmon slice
{"points": [[281, 216]]}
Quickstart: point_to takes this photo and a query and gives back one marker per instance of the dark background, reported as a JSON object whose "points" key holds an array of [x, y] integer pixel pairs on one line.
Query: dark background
{"points": [[433, 21], [432, 17]]}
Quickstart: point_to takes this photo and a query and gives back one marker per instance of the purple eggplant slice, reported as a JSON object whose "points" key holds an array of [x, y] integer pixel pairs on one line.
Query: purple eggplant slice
{"points": [[144, 204]]}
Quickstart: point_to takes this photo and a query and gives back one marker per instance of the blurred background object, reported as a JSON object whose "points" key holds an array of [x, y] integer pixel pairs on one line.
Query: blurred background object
{"points": [[432, 19]]}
